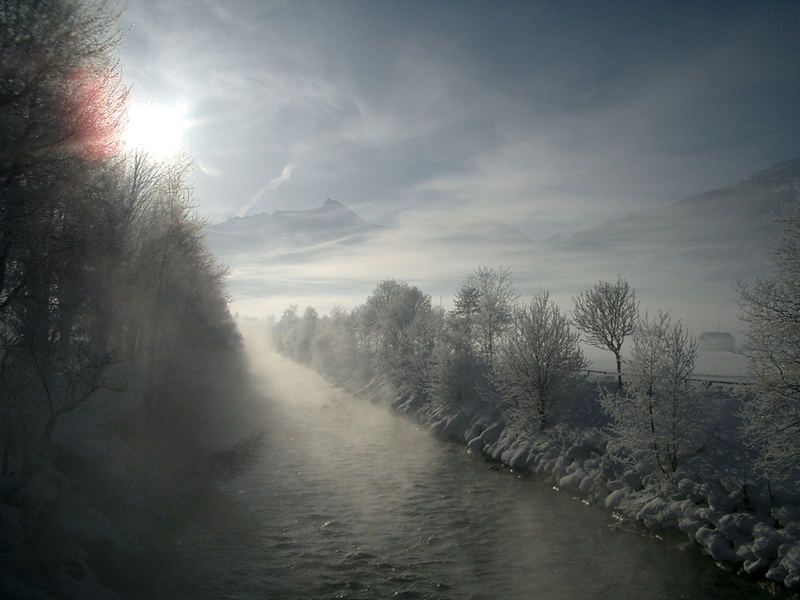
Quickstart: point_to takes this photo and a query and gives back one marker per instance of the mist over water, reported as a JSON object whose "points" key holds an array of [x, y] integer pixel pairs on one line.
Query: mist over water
{"points": [[352, 501]]}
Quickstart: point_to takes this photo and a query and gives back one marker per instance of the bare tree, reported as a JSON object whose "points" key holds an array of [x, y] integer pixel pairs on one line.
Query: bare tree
{"points": [[486, 302], [540, 353], [69, 380], [658, 415], [606, 314], [771, 308]]}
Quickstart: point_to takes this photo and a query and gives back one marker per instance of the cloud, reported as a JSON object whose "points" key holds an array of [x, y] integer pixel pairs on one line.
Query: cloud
{"points": [[540, 117], [273, 184], [209, 170], [285, 175]]}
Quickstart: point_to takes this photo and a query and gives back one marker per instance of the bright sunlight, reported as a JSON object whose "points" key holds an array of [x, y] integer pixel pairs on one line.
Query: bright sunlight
{"points": [[155, 129]]}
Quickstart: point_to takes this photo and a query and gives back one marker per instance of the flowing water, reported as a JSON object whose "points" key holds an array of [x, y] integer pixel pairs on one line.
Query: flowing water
{"points": [[353, 501]]}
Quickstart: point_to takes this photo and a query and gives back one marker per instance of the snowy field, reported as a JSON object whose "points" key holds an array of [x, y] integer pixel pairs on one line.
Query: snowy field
{"points": [[709, 364]]}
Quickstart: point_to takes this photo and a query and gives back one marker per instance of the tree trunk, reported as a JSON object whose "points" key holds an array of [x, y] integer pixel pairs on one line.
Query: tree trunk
{"points": [[48, 429]]}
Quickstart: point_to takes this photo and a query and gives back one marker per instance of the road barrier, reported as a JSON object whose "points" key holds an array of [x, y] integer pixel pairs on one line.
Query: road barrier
{"points": [[708, 380]]}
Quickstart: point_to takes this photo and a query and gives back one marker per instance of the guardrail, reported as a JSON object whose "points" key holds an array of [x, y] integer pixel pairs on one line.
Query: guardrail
{"points": [[709, 380]]}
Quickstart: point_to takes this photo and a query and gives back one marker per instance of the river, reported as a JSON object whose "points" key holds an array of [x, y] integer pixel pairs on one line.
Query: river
{"points": [[352, 501]]}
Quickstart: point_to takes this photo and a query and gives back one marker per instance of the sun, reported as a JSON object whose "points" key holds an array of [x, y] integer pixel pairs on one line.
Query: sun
{"points": [[155, 129]]}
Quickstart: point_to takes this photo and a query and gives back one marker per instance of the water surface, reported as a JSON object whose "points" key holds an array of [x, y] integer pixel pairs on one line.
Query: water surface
{"points": [[353, 501]]}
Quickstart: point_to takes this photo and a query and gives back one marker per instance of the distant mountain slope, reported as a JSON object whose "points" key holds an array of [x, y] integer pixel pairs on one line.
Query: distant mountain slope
{"points": [[287, 229], [724, 234], [334, 229], [745, 210]]}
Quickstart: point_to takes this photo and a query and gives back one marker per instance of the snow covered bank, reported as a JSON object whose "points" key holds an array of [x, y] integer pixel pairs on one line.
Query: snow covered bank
{"points": [[738, 523]]}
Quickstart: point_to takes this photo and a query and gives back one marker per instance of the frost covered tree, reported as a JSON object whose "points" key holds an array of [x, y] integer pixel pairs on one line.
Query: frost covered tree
{"points": [[771, 308], [285, 332], [334, 349], [455, 375], [486, 302], [657, 416], [540, 354], [396, 322], [606, 314]]}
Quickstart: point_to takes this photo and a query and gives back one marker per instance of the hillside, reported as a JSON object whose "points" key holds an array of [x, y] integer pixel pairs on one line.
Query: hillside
{"points": [[689, 255], [733, 224]]}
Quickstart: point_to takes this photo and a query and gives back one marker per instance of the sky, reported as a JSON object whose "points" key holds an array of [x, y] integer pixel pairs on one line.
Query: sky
{"points": [[550, 116]]}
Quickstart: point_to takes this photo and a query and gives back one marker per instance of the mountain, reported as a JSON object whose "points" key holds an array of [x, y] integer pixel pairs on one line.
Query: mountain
{"points": [[725, 234], [333, 229], [287, 230], [745, 211], [686, 256]]}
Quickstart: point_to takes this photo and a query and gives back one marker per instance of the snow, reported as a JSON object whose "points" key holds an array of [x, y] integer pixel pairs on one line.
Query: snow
{"points": [[715, 542], [714, 363]]}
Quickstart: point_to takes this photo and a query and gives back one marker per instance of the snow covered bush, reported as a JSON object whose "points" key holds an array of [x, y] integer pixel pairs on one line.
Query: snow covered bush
{"points": [[657, 417], [771, 308]]}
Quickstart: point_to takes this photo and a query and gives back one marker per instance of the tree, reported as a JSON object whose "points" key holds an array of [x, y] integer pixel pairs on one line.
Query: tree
{"points": [[486, 302], [658, 416], [308, 330], [396, 319], [455, 375], [61, 93], [606, 314], [286, 331], [61, 110], [771, 308], [539, 355]]}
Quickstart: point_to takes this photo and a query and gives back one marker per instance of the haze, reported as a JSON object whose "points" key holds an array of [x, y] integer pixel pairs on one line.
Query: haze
{"points": [[548, 117]]}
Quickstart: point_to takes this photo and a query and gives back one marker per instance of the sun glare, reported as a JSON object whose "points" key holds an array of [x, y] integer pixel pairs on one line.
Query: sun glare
{"points": [[155, 129]]}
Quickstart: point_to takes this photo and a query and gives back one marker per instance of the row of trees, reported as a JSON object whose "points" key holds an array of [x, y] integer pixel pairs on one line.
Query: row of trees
{"points": [[520, 358], [105, 283]]}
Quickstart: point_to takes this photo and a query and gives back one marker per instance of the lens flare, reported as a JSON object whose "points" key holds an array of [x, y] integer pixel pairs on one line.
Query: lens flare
{"points": [[95, 113]]}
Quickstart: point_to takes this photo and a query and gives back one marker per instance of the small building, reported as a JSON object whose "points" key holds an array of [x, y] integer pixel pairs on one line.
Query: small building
{"points": [[717, 340]]}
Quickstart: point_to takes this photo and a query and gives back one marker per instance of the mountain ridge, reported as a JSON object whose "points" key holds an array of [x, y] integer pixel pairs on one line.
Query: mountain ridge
{"points": [[686, 255], [329, 222]]}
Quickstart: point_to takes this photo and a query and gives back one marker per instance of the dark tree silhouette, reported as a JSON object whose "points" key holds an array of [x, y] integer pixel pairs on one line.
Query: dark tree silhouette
{"points": [[606, 313]]}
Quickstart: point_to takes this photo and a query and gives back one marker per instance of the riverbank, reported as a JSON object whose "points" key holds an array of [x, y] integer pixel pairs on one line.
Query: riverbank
{"points": [[743, 526]]}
